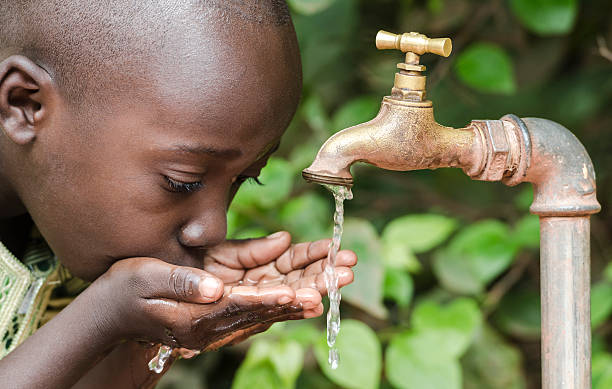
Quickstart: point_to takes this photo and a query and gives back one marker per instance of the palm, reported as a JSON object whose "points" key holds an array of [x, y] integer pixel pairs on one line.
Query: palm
{"points": [[268, 263], [263, 268]]}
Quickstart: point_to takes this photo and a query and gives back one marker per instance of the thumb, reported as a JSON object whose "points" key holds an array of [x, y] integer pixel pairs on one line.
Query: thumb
{"points": [[250, 253], [180, 283]]}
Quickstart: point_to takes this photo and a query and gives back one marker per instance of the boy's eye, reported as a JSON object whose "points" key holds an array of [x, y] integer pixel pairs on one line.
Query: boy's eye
{"points": [[182, 187]]}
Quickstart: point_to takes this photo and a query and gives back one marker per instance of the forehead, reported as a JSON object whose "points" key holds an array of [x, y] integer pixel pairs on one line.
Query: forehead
{"points": [[235, 84]]}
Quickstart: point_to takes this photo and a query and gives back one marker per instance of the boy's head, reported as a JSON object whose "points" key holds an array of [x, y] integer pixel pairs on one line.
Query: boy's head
{"points": [[127, 126]]}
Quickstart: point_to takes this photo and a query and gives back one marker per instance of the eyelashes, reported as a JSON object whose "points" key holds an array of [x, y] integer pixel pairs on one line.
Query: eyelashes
{"points": [[254, 180], [182, 187], [175, 186]]}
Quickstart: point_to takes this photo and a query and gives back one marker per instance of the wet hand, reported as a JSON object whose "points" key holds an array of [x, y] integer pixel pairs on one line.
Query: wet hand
{"points": [[273, 262], [150, 300]]}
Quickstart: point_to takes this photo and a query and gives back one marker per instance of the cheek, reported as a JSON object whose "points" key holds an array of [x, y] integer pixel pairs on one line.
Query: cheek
{"points": [[93, 213]]}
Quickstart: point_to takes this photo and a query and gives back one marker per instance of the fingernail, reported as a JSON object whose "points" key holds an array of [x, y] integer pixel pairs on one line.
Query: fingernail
{"points": [[284, 300], [276, 235], [209, 287]]}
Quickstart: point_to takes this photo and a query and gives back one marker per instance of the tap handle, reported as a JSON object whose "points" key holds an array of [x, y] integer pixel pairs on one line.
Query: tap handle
{"points": [[413, 42]]}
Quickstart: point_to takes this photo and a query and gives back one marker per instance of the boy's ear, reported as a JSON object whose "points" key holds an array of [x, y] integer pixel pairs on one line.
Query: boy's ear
{"points": [[26, 91]]}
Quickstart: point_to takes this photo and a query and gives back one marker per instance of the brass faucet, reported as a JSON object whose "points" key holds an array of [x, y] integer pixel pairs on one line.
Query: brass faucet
{"points": [[405, 136]]}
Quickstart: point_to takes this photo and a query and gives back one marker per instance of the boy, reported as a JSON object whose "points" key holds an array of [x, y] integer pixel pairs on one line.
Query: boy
{"points": [[126, 129]]}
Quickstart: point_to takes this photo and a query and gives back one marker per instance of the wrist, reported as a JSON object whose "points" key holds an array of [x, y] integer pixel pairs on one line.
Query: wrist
{"points": [[95, 310]]}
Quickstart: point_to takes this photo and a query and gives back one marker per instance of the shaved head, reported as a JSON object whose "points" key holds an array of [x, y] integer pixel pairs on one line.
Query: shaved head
{"points": [[91, 47]]}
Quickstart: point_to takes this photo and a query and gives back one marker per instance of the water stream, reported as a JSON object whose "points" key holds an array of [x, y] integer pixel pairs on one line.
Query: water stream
{"points": [[340, 193]]}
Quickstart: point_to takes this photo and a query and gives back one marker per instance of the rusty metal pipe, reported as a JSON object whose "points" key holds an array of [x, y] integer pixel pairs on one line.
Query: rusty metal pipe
{"points": [[563, 178], [565, 296]]}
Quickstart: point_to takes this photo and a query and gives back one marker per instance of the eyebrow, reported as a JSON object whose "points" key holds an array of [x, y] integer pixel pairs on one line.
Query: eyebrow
{"points": [[205, 150]]}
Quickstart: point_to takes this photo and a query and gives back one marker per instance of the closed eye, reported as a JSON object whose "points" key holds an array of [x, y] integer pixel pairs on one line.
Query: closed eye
{"points": [[182, 187]]}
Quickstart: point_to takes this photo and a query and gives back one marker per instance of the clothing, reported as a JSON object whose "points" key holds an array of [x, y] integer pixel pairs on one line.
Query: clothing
{"points": [[27, 298]]}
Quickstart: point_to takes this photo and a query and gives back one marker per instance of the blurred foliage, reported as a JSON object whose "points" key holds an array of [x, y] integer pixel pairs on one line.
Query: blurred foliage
{"points": [[446, 289]]}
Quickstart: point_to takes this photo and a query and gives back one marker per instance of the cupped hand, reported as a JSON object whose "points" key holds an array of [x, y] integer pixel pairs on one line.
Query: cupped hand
{"points": [[272, 263], [151, 300], [245, 287]]}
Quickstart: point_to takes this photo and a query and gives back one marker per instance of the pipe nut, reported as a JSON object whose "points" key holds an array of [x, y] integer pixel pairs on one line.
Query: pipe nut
{"points": [[495, 140]]}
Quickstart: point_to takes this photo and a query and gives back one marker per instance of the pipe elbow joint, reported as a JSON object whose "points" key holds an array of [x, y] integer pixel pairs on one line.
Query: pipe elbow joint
{"points": [[560, 170]]}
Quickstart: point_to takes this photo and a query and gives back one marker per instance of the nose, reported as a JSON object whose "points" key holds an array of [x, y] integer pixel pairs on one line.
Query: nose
{"points": [[207, 229]]}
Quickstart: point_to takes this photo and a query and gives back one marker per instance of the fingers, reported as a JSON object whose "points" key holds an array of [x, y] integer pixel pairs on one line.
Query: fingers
{"points": [[308, 298], [343, 258], [300, 255], [157, 279], [240, 254], [254, 296], [317, 281], [315, 312]]}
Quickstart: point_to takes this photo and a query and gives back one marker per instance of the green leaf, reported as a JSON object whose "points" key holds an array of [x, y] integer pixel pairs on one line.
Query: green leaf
{"points": [[315, 115], [309, 7], [419, 233], [307, 217], [314, 380], [288, 358], [285, 357], [356, 111], [487, 68], [360, 357], [527, 232], [303, 154], [232, 222], [453, 325], [492, 363], [475, 256], [366, 290], [250, 233], [602, 371], [277, 179], [601, 303], [435, 6], [397, 256], [303, 332], [414, 362], [519, 314], [398, 287], [546, 17], [259, 375], [324, 49]]}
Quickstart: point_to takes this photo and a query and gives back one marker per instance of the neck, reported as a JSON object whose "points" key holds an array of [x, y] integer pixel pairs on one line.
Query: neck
{"points": [[10, 204]]}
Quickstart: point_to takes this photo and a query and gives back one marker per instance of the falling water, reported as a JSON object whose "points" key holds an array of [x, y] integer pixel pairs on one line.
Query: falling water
{"points": [[340, 193], [157, 363]]}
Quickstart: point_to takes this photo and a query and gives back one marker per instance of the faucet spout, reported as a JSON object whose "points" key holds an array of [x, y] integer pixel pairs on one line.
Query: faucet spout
{"points": [[403, 136]]}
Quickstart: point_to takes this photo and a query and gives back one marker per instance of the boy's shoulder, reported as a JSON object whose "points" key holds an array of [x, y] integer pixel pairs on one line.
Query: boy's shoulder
{"points": [[26, 291]]}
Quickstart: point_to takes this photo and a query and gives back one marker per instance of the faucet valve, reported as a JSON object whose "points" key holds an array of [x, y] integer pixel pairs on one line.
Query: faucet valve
{"points": [[409, 81]]}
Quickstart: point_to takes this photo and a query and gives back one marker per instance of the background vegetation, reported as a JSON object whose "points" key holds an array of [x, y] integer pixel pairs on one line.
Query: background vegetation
{"points": [[446, 291]]}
